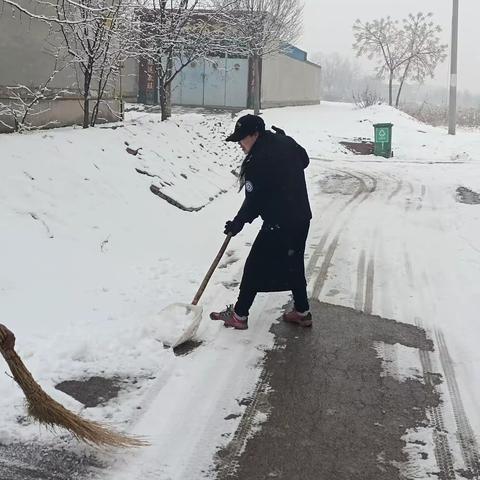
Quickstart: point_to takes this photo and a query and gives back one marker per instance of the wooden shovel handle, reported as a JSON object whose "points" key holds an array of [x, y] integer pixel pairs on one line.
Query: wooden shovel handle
{"points": [[209, 274]]}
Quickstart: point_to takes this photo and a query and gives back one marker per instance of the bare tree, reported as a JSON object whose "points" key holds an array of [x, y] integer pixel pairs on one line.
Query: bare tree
{"points": [[263, 27], [412, 50], [170, 35], [425, 51], [382, 39], [99, 35], [21, 103], [94, 33], [91, 36]]}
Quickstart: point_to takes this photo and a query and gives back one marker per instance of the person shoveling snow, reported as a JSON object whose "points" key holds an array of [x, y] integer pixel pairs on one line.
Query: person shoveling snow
{"points": [[275, 189]]}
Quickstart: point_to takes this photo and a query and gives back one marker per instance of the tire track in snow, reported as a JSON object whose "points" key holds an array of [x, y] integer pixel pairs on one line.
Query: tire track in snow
{"points": [[365, 286], [465, 434], [227, 465], [365, 282], [396, 191], [315, 256], [408, 200], [323, 273], [361, 195], [365, 291], [422, 197], [442, 451]]}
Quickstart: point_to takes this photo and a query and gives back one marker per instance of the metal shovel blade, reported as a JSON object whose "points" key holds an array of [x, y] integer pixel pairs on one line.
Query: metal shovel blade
{"points": [[178, 323]]}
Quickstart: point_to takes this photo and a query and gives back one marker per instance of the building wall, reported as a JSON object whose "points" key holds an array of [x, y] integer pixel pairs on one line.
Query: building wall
{"points": [[288, 81], [130, 80], [25, 50], [61, 113], [26, 58]]}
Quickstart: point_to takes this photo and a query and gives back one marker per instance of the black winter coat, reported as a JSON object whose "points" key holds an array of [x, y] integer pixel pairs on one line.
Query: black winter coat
{"points": [[275, 189], [275, 186]]}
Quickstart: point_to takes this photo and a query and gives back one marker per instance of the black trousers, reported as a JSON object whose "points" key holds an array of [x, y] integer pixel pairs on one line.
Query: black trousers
{"points": [[283, 271], [246, 299]]}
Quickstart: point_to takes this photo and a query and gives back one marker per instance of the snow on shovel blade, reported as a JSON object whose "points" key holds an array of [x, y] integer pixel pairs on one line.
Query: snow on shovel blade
{"points": [[178, 323]]}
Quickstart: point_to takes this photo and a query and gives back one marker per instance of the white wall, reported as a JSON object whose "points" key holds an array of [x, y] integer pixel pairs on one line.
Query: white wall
{"points": [[26, 59], [130, 80], [287, 81], [26, 50]]}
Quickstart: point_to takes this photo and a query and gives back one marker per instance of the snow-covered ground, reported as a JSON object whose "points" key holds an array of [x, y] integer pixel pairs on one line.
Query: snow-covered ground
{"points": [[91, 256]]}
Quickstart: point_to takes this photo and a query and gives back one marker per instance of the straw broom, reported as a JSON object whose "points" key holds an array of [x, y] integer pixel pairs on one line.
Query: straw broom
{"points": [[50, 413]]}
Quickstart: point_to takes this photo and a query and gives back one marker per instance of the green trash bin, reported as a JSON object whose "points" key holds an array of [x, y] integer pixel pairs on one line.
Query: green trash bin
{"points": [[383, 140]]}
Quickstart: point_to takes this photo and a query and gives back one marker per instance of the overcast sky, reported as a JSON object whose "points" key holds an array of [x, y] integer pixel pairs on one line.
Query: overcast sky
{"points": [[328, 28]]}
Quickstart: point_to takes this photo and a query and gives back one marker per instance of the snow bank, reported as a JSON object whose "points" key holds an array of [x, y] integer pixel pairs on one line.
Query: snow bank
{"points": [[322, 127], [91, 255]]}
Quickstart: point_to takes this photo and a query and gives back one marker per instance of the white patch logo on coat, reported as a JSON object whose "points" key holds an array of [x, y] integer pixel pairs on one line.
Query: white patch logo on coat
{"points": [[249, 186]]}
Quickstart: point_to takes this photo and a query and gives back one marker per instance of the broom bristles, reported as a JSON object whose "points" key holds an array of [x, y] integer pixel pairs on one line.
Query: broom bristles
{"points": [[52, 414]]}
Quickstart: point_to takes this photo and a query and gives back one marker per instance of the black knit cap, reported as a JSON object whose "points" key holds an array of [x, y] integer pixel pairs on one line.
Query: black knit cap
{"points": [[247, 125]]}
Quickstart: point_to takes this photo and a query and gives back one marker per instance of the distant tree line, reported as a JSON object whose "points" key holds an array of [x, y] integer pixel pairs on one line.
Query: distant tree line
{"points": [[344, 80]]}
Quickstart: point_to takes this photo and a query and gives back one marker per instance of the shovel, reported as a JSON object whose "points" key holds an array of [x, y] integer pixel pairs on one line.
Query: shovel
{"points": [[179, 322]]}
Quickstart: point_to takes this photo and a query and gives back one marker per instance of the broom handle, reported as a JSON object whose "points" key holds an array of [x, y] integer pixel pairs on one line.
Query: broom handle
{"points": [[209, 274]]}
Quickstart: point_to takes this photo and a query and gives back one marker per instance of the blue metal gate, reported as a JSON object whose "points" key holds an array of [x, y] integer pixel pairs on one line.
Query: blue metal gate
{"points": [[213, 82]]}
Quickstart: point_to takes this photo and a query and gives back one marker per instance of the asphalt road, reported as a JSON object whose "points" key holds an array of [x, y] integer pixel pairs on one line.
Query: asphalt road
{"points": [[331, 414]]}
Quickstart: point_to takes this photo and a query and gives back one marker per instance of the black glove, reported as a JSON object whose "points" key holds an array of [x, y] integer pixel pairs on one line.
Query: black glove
{"points": [[233, 227], [278, 131]]}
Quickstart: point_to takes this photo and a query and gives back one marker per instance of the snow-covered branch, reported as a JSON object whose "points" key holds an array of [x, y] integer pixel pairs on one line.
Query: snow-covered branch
{"points": [[47, 7], [260, 28], [171, 34], [96, 44], [21, 101]]}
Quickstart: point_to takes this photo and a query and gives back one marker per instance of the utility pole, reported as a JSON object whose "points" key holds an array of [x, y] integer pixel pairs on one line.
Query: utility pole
{"points": [[452, 108]]}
